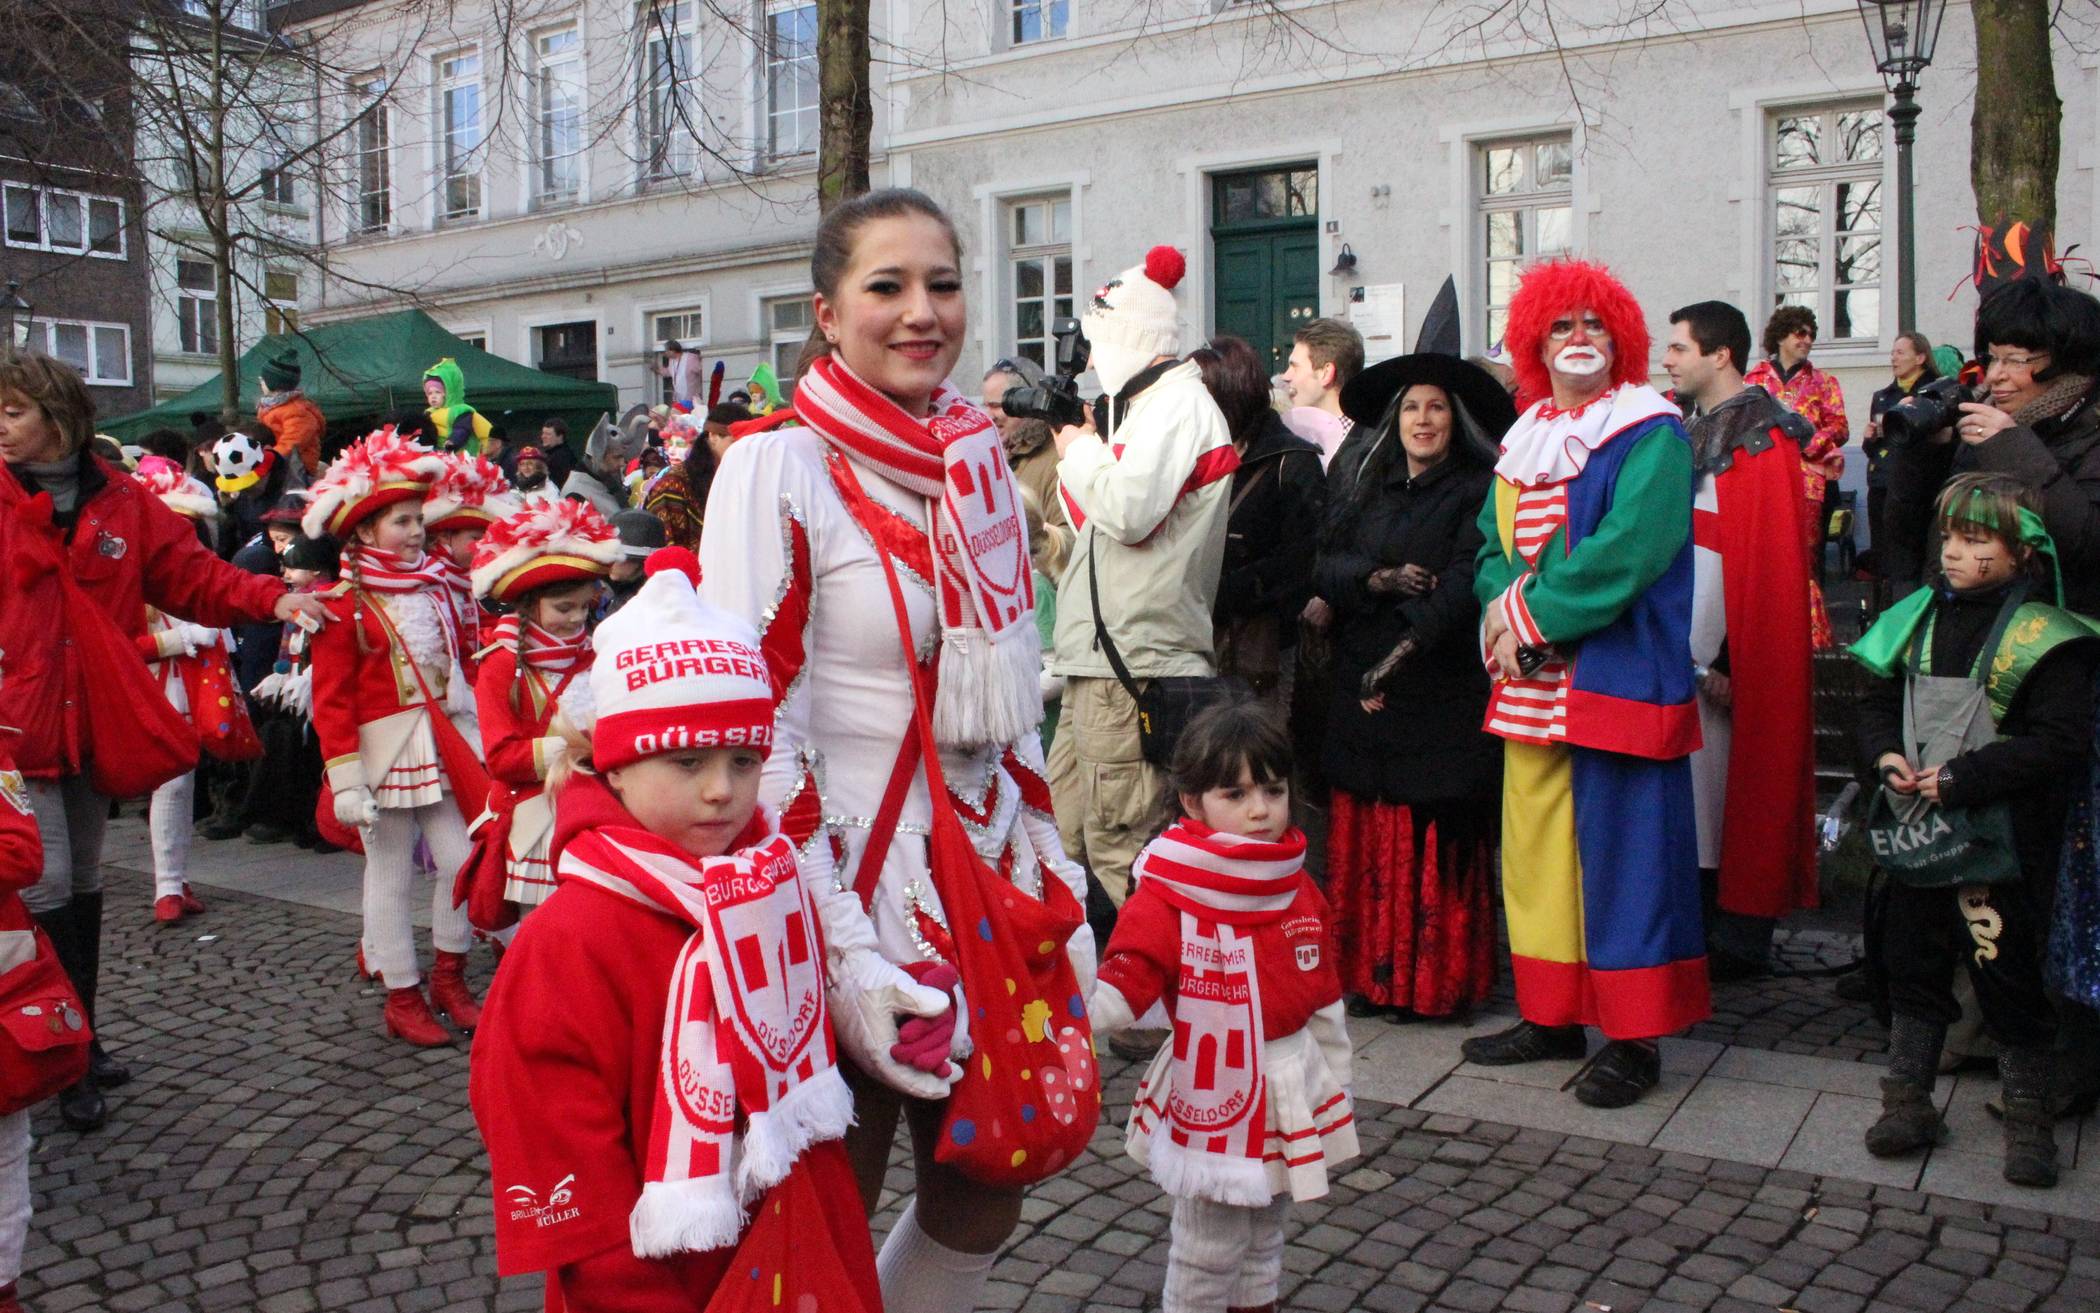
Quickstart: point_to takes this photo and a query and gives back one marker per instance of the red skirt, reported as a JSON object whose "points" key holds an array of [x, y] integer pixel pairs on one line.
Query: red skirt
{"points": [[1413, 897]]}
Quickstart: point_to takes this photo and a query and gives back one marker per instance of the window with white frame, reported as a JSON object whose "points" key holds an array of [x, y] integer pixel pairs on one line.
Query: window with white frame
{"points": [[789, 322], [101, 352], [1824, 180], [791, 79], [279, 183], [197, 306], [1039, 273], [685, 327], [232, 13], [280, 301], [1524, 196], [1037, 20], [668, 115], [558, 116], [72, 223], [459, 133], [478, 339], [372, 143]]}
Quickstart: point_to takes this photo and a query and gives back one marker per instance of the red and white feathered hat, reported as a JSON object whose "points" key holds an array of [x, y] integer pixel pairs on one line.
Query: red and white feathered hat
{"points": [[472, 491], [544, 543], [177, 491], [673, 674], [372, 473]]}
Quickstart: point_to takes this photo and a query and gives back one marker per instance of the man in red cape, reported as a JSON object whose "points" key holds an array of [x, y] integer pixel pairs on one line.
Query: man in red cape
{"points": [[1754, 781]]}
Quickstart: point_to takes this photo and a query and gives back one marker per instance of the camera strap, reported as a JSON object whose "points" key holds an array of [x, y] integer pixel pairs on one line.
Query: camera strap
{"points": [[1101, 638]]}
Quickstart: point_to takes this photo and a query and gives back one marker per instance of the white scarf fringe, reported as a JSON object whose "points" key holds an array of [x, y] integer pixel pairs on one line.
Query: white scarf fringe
{"points": [[988, 686]]}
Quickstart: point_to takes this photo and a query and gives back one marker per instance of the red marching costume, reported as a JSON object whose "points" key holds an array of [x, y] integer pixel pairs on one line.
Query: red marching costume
{"points": [[522, 674], [396, 762]]}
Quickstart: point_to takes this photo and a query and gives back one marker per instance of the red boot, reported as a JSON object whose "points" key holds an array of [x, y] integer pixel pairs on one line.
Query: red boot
{"points": [[190, 904], [408, 1017], [449, 992], [363, 972], [167, 910]]}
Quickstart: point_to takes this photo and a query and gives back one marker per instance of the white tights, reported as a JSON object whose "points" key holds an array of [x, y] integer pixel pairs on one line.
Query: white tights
{"points": [[1224, 1256], [168, 820], [14, 1194], [390, 877]]}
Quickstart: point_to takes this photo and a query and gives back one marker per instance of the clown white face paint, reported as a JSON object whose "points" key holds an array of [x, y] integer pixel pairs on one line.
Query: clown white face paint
{"points": [[1581, 361]]}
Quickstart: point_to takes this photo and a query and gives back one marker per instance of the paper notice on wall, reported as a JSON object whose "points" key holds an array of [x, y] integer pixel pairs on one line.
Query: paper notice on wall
{"points": [[1377, 311]]}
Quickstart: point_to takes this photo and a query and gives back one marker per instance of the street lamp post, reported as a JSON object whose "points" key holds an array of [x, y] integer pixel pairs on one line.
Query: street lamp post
{"points": [[1903, 34], [15, 316]]}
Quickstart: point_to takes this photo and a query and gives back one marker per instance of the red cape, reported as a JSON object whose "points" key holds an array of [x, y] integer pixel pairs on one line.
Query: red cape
{"points": [[1768, 844]]}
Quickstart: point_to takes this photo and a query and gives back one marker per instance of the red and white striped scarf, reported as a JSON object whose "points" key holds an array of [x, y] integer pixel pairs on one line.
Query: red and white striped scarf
{"points": [[1216, 1111], [459, 580], [747, 1041], [541, 650], [380, 571], [988, 688]]}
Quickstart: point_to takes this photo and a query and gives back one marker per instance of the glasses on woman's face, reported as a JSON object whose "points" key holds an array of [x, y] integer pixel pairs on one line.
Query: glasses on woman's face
{"points": [[2018, 361], [1563, 329]]}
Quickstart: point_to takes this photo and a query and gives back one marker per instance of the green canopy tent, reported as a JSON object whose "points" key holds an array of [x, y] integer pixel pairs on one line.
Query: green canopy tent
{"points": [[361, 370]]}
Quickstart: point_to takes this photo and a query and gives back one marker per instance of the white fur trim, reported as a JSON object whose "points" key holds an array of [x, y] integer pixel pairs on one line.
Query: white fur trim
{"points": [[684, 1217], [1185, 1173], [815, 1110]]}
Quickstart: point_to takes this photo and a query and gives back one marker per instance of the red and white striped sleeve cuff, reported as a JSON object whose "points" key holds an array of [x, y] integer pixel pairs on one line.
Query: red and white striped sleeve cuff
{"points": [[1516, 613]]}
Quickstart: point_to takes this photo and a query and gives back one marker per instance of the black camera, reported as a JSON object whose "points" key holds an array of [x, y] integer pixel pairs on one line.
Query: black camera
{"points": [[1934, 406], [1055, 400]]}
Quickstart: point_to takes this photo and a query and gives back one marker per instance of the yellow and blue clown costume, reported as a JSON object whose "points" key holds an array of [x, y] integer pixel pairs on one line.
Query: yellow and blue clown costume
{"points": [[1588, 559]]}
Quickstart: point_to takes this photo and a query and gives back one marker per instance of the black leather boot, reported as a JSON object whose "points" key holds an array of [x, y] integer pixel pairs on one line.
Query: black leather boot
{"points": [[108, 1073], [1909, 1120], [80, 1105], [2030, 1118]]}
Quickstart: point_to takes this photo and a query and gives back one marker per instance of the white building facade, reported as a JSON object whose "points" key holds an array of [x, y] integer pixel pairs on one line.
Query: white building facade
{"points": [[1737, 152]]}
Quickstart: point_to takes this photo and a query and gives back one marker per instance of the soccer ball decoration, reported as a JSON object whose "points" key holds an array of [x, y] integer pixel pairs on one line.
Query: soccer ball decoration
{"points": [[240, 462]]}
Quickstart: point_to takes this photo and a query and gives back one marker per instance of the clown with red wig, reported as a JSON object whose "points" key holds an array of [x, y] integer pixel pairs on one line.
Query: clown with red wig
{"points": [[1586, 586]]}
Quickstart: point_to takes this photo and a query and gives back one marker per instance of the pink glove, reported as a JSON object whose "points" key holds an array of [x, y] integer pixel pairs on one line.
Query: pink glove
{"points": [[923, 1042]]}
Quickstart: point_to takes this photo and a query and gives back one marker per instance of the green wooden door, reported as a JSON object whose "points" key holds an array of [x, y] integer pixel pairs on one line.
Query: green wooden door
{"points": [[1265, 250]]}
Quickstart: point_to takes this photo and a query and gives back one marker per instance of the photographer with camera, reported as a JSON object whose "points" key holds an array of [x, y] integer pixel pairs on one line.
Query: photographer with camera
{"points": [[1146, 479], [2035, 418], [1032, 456]]}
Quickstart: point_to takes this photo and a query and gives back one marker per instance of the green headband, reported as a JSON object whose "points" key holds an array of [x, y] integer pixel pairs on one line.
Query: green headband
{"points": [[2027, 530]]}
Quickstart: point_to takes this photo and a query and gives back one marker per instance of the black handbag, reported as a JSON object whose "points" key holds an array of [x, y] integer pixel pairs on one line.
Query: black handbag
{"points": [[1165, 704]]}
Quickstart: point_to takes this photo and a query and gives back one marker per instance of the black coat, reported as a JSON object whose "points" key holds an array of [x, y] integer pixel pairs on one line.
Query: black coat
{"points": [[1877, 448], [1427, 745], [2058, 458], [1279, 496]]}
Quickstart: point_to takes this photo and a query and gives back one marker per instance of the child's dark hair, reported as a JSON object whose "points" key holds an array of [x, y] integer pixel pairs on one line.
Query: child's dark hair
{"points": [[1992, 503], [1226, 740]]}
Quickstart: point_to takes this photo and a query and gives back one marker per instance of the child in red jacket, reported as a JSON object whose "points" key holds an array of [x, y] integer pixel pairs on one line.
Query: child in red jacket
{"points": [[1247, 1107], [469, 496], [544, 563], [21, 862], [396, 761], [655, 1077]]}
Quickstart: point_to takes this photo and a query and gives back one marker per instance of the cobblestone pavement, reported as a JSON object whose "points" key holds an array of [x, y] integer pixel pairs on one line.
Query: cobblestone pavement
{"points": [[276, 1152]]}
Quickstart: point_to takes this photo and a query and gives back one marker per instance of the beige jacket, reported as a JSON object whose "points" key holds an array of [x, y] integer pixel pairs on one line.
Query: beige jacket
{"points": [[1161, 543]]}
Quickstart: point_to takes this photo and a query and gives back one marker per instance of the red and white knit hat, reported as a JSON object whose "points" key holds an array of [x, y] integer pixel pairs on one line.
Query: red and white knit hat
{"points": [[673, 674], [472, 491], [372, 473], [545, 543], [1133, 319], [177, 491]]}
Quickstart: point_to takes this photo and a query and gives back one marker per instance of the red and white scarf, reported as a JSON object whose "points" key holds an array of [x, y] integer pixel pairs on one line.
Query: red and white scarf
{"points": [[988, 688], [540, 649], [379, 571], [459, 581], [1215, 1114], [747, 1041]]}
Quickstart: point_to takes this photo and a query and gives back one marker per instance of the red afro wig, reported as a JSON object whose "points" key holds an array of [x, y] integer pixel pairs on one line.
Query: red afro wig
{"points": [[1551, 289]]}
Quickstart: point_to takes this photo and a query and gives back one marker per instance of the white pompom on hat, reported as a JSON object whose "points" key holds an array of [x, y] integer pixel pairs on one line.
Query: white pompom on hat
{"points": [[1133, 319], [673, 674]]}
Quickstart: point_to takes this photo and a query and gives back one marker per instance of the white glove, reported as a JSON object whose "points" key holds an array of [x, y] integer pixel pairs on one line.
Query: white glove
{"points": [[1108, 1010], [355, 807], [1330, 1030], [866, 995], [1084, 957], [174, 642], [197, 638]]}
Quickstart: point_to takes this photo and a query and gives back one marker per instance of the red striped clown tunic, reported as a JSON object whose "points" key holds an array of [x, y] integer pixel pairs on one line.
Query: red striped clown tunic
{"points": [[1532, 707]]}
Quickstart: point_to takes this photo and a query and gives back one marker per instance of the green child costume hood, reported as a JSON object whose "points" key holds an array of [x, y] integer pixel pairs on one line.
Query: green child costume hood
{"points": [[2037, 628], [458, 424]]}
